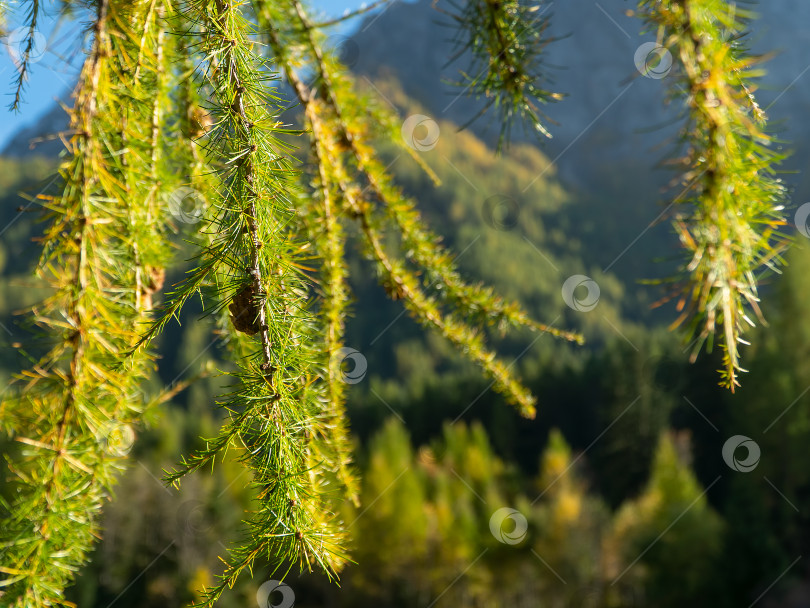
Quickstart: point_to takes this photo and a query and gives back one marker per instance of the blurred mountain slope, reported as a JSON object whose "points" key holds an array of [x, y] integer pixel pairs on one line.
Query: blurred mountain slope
{"points": [[610, 113]]}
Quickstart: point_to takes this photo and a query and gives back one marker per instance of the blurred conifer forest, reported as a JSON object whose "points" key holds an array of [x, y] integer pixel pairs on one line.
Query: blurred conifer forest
{"points": [[617, 493]]}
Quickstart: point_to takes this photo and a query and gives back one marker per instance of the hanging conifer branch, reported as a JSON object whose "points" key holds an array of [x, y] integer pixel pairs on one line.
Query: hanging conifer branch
{"points": [[253, 266], [271, 260], [329, 238], [74, 410], [404, 284], [476, 302], [344, 114], [506, 40], [4, 10], [27, 47], [326, 233], [734, 203]]}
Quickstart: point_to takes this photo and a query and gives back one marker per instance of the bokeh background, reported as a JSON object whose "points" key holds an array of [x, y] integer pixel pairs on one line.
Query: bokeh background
{"points": [[640, 482]]}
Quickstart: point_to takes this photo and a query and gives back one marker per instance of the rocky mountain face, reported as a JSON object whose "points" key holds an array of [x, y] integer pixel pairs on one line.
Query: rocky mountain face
{"points": [[611, 112], [612, 128], [611, 115], [39, 139]]}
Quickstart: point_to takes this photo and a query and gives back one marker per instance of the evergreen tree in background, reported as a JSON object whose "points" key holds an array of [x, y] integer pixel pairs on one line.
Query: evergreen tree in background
{"points": [[672, 568], [181, 99]]}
